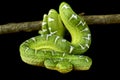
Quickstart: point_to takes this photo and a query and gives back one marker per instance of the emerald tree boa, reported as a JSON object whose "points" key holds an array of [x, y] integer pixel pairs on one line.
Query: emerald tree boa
{"points": [[51, 48]]}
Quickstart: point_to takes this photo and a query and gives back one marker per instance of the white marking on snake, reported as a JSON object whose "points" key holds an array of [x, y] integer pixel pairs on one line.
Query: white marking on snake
{"points": [[63, 40], [57, 37], [86, 59], [82, 47], [48, 35], [65, 7], [73, 16], [81, 23], [88, 37], [87, 45], [27, 49], [71, 49], [86, 29], [53, 32], [44, 23], [63, 54], [81, 57], [44, 30], [50, 19], [33, 39], [49, 29], [42, 35]]}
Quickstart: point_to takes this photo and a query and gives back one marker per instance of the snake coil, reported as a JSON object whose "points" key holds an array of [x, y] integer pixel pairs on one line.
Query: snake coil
{"points": [[52, 50]]}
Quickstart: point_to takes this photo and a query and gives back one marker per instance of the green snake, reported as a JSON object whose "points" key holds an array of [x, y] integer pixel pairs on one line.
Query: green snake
{"points": [[51, 48]]}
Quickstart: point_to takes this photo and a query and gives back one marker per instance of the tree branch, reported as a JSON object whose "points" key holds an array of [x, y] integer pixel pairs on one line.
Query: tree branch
{"points": [[36, 25], [102, 19]]}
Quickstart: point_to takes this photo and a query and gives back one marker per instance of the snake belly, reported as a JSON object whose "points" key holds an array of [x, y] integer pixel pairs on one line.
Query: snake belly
{"points": [[50, 49]]}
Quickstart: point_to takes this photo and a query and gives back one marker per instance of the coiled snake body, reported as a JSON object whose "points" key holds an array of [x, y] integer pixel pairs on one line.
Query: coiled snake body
{"points": [[51, 50]]}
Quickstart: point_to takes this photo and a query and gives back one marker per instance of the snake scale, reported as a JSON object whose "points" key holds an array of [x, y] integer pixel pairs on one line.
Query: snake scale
{"points": [[52, 50]]}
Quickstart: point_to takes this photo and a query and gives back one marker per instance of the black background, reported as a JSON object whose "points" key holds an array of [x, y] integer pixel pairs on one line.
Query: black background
{"points": [[104, 49]]}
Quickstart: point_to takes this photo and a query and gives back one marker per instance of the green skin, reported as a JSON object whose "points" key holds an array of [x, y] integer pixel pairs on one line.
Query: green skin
{"points": [[51, 50]]}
